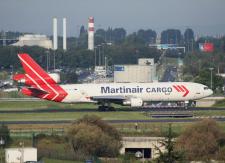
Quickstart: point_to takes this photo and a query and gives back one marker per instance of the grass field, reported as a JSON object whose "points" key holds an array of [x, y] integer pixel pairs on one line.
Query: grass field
{"points": [[33, 105], [47, 160], [70, 116], [54, 115], [220, 104]]}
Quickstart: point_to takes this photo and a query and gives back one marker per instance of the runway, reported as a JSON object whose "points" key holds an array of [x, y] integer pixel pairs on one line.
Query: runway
{"points": [[110, 121], [58, 110]]}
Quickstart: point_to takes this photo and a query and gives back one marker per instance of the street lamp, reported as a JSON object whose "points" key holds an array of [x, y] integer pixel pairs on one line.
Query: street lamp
{"points": [[22, 152], [211, 69]]}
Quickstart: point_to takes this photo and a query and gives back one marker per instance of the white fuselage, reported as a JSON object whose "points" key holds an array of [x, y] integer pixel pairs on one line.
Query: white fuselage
{"points": [[164, 91]]}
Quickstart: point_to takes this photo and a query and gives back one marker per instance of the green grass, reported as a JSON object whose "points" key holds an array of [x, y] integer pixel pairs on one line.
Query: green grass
{"points": [[33, 105], [209, 113], [125, 114], [219, 104], [150, 129], [47, 160], [71, 116]]}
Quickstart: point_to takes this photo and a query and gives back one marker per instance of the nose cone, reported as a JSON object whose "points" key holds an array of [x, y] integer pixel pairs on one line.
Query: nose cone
{"points": [[210, 92]]}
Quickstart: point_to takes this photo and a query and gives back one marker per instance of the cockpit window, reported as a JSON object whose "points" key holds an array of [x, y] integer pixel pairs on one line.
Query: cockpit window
{"points": [[206, 88]]}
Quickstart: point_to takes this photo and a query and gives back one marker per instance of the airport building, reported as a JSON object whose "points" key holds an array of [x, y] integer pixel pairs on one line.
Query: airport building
{"points": [[34, 40], [143, 72], [143, 147]]}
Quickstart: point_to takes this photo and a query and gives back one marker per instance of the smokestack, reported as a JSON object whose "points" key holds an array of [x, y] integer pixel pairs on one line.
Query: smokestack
{"points": [[55, 36], [64, 34], [91, 33]]}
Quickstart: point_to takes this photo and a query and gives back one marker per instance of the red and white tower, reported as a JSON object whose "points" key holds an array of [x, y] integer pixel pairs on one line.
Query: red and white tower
{"points": [[91, 33]]}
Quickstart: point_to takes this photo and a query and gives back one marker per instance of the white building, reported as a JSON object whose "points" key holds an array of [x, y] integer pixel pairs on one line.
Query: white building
{"points": [[18, 155], [34, 40], [143, 72]]}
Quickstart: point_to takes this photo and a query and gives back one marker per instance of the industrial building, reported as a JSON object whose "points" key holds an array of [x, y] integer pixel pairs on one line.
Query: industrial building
{"points": [[55, 34], [143, 72], [64, 35], [34, 40]]}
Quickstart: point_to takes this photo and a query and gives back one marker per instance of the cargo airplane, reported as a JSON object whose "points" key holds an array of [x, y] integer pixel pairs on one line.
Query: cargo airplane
{"points": [[40, 84]]}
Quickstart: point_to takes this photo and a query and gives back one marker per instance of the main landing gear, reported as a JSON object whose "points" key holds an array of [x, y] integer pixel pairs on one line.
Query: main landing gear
{"points": [[105, 106]]}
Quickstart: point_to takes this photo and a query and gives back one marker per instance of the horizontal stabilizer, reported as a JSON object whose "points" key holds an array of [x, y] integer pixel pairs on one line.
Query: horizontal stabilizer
{"points": [[33, 91]]}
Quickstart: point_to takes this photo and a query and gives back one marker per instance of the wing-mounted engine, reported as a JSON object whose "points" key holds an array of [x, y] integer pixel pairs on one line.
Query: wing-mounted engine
{"points": [[133, 102]]}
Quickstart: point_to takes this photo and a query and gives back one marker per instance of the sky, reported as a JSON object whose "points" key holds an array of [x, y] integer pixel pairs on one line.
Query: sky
{"points": [[205, 17]]}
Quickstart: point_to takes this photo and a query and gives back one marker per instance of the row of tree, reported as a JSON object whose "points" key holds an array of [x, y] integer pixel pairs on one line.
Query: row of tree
{"points": [[118, 35], [149, 36], [125, 53]]}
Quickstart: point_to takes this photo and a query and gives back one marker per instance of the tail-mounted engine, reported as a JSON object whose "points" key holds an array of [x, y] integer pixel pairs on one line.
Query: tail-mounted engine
{"points": [[24, 79]]}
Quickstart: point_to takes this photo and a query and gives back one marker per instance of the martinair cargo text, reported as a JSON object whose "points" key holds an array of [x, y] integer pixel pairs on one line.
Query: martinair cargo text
{"points": [[38, 83]]}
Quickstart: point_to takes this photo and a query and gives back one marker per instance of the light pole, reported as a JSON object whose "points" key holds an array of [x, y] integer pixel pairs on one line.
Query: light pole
{"points": [[47, 59], [2, 143], [11, 66], [22, 152], [211, 69]]}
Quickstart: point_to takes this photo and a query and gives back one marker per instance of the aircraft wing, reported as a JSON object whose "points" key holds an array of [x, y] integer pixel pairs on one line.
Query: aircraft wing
{"points": [[108, 98]]}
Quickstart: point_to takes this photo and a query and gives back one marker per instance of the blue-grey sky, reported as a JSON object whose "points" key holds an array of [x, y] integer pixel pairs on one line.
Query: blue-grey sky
{"points": [[204, 16]]}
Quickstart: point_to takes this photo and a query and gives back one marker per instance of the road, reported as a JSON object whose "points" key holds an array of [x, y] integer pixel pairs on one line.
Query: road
{"points": [[170, 74], [117, 110]]}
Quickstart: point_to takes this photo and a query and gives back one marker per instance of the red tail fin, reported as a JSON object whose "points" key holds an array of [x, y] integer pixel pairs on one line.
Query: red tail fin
{"points": [[34, 70], [43, 86]]}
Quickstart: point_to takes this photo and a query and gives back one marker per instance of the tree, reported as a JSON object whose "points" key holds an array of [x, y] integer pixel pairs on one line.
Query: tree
{"points": [[171, 36], [4, 134], [202, 141], [188, 35], [119, 35], [83, 37], [205, 76], [170, 155], [90, 136], [189, 39], [147, 36]]}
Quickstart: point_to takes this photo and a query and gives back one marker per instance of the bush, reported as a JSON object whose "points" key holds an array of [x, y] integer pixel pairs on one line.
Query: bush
{"points": [[4, 134], [93, 137], [202, 141]]}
